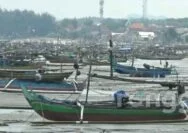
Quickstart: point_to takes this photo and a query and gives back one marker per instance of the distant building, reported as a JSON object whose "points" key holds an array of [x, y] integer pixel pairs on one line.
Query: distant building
{"points": [[145, 35]]}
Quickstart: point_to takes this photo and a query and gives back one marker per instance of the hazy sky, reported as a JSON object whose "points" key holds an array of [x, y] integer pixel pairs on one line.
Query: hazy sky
{"points": [[112, 8]]}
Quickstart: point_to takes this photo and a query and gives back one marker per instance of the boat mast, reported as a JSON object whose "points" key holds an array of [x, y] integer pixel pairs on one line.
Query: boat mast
{"points": [[132, 52], [132, 59], [111, 58], [88, 83]]}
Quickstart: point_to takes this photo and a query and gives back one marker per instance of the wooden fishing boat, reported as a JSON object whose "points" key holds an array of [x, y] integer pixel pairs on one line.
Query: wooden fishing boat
{"points": [[158, 57], [34, 74], [42, 86], [61, 59], [158, 52], [142, 72], [104, 111]]}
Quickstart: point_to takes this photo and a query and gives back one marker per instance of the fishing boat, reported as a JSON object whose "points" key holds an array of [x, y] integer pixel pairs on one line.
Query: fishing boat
{"points": [[162, 52], [34, 74], [147, 71], [119, 110], [60, 58], [158, 57], [42, 86]]}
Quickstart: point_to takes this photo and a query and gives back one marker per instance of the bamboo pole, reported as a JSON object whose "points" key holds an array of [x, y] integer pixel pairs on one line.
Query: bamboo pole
{"points": [[111, 58], [88, 84]]}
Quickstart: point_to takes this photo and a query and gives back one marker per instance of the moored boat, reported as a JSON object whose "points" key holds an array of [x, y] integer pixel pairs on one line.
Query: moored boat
{"points": [[42, 86], [60, 59], [34, 74], [142, 72], [119, 110], [162, 57]]}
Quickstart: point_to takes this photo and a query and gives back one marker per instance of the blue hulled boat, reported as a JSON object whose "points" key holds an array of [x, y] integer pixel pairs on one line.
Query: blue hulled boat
{"points": [[41, 86], [147, 71]]}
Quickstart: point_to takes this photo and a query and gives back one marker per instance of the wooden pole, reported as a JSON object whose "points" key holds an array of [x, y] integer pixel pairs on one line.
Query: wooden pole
{"points": [[61, 67], [132, 59], [88, 84], [111, 59], [75, 78], [132, 52]]}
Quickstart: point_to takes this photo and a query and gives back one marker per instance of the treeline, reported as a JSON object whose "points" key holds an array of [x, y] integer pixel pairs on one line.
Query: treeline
{"points": [[180, 22], [89, 27], [18, 24], [25, 23]]}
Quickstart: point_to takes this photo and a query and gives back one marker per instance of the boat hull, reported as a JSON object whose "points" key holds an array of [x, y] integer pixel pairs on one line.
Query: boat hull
{"points": [[169, 57], [41, 86], [60, 59], [106, 118], [31, 75], [102, 115], [65, 110], [142, 72]]}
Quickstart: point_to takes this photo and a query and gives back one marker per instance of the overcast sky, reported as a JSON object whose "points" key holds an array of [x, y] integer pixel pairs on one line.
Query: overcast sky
{"points": [[112, 8]]}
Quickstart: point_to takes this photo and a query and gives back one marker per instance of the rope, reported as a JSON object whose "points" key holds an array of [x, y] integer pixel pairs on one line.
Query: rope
{"points": [[9, 83]]}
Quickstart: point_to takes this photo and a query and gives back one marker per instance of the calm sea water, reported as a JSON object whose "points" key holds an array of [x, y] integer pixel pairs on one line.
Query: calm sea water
{"points": [[17, 121]]}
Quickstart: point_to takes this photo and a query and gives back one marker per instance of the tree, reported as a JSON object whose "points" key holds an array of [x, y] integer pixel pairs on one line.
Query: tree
{"points": [[25, 23], [170, 35]]}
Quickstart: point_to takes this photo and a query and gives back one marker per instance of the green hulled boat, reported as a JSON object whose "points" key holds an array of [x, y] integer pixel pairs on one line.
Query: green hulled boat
{"points": [[106, 111]]}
